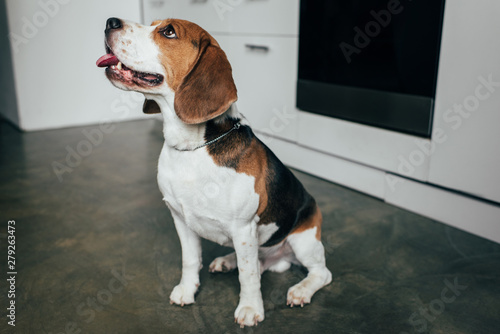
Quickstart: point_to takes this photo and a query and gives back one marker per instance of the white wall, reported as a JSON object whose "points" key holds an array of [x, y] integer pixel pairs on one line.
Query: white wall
{"points": [[469, 158], [54, 54]]}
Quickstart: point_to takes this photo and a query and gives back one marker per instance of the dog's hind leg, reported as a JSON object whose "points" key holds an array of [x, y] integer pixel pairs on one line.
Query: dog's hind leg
{"points": [[309, 251], [223, 264], [271, 258]]}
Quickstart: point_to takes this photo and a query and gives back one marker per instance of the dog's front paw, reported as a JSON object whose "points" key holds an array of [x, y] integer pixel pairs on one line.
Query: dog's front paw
{"points": [[247, 315], [298, 295], [183, 294]]}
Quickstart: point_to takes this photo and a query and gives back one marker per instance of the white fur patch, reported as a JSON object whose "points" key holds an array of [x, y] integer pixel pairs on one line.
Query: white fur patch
{"points": [[212, 200], [135, 47], [266, 231]]}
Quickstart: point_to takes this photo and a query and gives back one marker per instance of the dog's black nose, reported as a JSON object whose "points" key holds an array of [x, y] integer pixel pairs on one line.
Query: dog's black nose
{"points": [[113, 23]]}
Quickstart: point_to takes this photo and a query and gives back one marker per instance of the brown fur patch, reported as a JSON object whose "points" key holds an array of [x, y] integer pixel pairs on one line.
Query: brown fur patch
{"points": [[177, 54], [200, 76], [315, 220], [255, 164]]}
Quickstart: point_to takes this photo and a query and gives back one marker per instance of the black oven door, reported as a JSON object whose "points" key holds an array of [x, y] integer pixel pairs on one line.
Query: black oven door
{"points": [[373, 62]]}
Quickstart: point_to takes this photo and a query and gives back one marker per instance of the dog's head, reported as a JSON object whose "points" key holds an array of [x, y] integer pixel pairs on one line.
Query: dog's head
{"points": [[170, 57]]}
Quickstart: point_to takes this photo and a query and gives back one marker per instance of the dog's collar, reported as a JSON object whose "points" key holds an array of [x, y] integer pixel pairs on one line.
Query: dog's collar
{"points": [[235, 127]]}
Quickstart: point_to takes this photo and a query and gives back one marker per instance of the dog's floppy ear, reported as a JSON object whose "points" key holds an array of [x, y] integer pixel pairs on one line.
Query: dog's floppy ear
{"points": [[151, 107], [208, 90]]}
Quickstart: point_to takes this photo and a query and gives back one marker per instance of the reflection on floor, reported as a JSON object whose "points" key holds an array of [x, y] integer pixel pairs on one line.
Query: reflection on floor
{"points": [[97, 251]]}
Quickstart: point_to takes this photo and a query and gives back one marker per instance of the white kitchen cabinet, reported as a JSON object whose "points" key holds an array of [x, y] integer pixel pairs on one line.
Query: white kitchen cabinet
{"points": [[260, 39], [201, 12], [265, 17], [467, 106], [54, 46], [261, 17], [383, 149], [265, 76]]}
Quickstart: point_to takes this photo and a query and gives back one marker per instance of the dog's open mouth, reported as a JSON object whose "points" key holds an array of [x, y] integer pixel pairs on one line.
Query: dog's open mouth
{"points": [[116, 70]]}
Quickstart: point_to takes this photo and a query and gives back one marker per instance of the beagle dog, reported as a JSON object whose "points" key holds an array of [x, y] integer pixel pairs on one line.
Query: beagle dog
{"points": [[218, 179]]}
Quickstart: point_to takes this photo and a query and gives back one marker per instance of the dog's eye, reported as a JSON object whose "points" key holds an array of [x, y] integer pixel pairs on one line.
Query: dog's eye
{"points": [[169, 32]]}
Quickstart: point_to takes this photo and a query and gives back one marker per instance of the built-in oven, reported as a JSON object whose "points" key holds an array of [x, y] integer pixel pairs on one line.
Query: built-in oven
{"points": [[373, 62]]}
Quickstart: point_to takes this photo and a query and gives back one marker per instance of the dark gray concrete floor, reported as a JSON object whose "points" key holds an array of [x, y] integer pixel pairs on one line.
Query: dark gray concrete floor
{"points": [[98, 252]]}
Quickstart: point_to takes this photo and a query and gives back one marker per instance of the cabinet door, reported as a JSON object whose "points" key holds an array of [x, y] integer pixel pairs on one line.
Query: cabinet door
{"points": [[466, 152], [268, 17], [264, 17], [205, 13], [265, 73]]}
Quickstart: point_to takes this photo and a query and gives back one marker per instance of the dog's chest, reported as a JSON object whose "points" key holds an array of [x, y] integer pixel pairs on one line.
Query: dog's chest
{"points": [[210, 199]]}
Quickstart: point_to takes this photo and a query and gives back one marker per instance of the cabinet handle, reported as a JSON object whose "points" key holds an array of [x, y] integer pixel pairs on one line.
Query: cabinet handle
{"points": [[198, 1], [157, 3], [257, 47]]}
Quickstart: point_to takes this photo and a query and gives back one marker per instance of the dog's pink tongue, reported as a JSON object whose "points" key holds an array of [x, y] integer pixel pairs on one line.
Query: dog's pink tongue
{"points": [[107, 60]]}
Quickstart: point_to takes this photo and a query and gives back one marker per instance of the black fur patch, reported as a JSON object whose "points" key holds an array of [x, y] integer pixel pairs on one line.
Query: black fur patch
{"points": [[289, 203], [228, 150]]}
